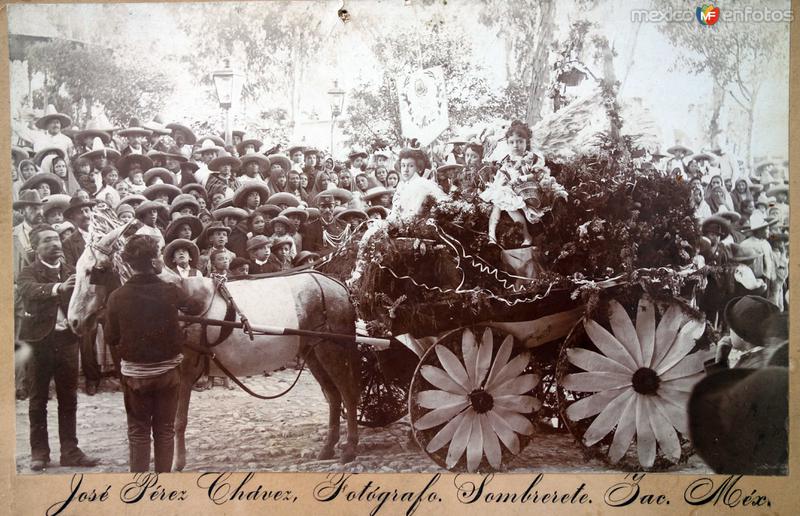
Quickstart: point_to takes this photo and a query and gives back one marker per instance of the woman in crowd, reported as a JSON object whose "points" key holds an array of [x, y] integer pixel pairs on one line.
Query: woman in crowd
{"points": [[392, 179], [294, 186], [741, 193]]}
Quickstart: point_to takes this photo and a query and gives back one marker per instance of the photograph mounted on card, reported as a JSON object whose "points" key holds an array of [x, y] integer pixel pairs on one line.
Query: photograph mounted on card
{"points": [[498, 237]]}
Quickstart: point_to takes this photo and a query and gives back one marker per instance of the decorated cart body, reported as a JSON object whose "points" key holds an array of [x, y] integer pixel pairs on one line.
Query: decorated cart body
{"points": [[612, 363]]}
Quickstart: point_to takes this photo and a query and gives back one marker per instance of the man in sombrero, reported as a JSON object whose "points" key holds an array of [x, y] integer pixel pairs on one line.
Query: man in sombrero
{"points": [[50, 134], [173, 159], [136, 136]]}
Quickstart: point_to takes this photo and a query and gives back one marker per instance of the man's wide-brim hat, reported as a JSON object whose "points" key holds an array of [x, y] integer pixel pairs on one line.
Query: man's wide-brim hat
{"points": [[180, 243], [720, 222], [27, 198], [133, 198], [280, 219], [98, 127], [378, 209], [55, 202], [702, 156], [76, 203], [215, 141], [294, 148], [229, 211], [150, 205], [189, 166], [134, 129], [449, 168], [191, 139], [99, 150], [40, 155], [262, 160], [156, 126], [195, 187], [125, 163], [376, 192], [241, 193], [299, 212], [183, 200], [758, 221], [679, 150], [283, 199], [280, 159], [351, 212], [764, 164], [154, 191], [775, 190], [256, 143], [19, 153], [356, 153], [52, 180], [175, 153], [269, 209], [738, 420], [52, 114], [194, 223], [731, 216], [224, 159], [163, 174]]}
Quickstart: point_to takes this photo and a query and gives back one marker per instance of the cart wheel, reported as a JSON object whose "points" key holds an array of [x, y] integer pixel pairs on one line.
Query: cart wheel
{"points": [[472, 393], [625, 380], [385, 378]]}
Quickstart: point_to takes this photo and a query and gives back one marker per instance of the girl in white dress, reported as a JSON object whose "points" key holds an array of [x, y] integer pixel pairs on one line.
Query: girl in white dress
{"points": [[507, 192]]}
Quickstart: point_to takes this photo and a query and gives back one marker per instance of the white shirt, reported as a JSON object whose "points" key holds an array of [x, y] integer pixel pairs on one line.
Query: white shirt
{"points": [[43, 139], [61, 318]]}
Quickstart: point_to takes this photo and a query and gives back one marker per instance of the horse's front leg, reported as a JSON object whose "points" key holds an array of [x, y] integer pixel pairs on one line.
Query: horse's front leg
{"points": [[189, 369]]}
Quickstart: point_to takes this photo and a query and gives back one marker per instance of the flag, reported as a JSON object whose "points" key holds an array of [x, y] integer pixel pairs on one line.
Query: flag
{"points": [[423, 104]]}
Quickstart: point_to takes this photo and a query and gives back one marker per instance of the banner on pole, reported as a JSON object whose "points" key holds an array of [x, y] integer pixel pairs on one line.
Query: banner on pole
{"points": [[423, 104]]}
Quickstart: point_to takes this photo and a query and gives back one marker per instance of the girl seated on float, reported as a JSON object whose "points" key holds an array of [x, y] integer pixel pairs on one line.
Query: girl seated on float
{"points": [[504, 191]]}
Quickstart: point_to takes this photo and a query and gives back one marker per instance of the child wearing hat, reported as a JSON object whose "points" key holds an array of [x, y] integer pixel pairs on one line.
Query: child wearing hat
{"points": [[125, 212], [282, 249], [181, 256], [261, 259], [148, 213], [214, 238]]}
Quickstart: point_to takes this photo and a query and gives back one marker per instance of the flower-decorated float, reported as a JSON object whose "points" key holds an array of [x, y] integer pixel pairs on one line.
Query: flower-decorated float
{"points": [[592, 327]]}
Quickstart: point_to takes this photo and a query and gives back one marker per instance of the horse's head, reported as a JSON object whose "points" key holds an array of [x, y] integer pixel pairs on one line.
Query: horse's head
{"points": [[94, 274]]}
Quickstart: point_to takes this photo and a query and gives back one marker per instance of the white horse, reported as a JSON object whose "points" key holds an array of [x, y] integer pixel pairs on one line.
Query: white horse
{"points": [[305, 301]]}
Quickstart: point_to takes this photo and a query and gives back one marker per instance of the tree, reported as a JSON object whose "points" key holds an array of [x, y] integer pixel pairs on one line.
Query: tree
{"points": [[77, 76], [274, 44], [373, 112], [526, 27], [738, 56]]}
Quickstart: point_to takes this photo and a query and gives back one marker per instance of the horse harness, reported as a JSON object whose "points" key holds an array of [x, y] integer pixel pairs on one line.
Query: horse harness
{"points": [[205, 348]]}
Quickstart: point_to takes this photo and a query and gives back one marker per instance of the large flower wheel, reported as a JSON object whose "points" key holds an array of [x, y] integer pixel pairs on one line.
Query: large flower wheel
{"points": [[624, 384], [471, 401]]}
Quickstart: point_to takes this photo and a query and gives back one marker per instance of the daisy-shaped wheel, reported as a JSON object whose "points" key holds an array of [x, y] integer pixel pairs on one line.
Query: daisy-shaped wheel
{"points": [[473, 398], [638, 381]]}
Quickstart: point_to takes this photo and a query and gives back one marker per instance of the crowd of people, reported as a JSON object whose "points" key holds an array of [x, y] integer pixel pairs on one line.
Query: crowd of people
{"points": [[245, 208]]}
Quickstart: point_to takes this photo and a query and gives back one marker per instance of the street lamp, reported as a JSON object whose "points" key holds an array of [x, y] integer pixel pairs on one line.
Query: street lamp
{"points": [[336, 99], [228, 84]]}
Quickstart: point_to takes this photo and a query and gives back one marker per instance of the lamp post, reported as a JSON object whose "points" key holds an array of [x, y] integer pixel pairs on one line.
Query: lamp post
{"points": [[228, 84], [336, 98]]}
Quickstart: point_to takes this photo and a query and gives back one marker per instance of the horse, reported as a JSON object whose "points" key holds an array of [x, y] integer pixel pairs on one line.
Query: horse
{"points": [[306, 300]]}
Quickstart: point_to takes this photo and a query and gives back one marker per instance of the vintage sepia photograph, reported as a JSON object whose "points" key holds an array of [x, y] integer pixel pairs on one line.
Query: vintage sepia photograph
{"points": [[395, 236]]}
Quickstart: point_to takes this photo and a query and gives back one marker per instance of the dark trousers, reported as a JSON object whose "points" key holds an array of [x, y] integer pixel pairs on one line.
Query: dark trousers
{"points": [[151, 404], [54, 357], [91, 369]]}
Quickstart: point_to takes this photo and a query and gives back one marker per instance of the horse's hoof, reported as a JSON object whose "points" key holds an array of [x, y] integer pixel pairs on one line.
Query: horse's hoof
{"points": [[325, 454], [348, 455], [178, 467]]}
